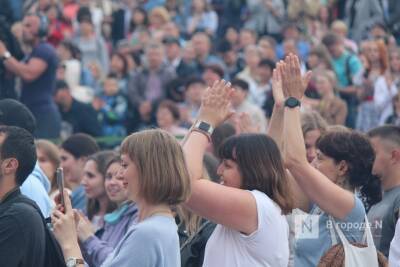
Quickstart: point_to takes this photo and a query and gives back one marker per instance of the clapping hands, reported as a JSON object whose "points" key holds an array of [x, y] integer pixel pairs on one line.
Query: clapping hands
{"points": [[293, 84], [216, 103]]}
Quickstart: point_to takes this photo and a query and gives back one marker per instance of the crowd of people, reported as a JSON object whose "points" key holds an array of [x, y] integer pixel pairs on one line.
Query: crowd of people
{"points": [[243, 133]]}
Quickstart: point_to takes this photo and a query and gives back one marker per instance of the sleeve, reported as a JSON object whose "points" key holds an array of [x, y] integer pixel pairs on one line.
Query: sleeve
{"points": [[33, 189], [42, 52], [396, 211], [134, 252], [96, 251], [11, 243]]}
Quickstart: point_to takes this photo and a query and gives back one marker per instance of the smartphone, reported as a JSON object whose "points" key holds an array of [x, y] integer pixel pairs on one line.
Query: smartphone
{"points": [[60, 184]]}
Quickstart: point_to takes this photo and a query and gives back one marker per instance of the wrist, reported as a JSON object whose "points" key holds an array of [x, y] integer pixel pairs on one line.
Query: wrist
{"points": [[6, 55]]}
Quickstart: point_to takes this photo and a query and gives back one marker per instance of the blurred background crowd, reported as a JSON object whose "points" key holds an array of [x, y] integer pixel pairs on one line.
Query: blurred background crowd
{"points": [[121, 66]]}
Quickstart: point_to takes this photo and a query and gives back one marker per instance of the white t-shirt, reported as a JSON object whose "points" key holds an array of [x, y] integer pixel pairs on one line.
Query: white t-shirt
{"points": [[267, 246], [394, 252]]}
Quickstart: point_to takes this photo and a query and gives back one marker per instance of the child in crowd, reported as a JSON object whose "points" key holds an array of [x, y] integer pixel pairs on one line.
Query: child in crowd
{"points": [[112, 106]]}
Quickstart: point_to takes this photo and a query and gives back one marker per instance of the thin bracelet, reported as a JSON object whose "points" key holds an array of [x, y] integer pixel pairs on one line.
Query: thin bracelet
{"points": [[203, 132]]}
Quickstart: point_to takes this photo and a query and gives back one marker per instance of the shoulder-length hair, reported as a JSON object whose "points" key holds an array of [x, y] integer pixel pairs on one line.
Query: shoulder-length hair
{"points": [[261, 166], [163, 175], [356, 150], [102, 160]]}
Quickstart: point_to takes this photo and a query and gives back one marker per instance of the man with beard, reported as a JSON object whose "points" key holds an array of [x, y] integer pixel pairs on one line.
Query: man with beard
{"points": [[22, 232], [38, 74]]}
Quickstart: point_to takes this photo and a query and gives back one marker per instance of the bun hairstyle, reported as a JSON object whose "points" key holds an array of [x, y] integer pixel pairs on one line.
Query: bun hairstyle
{"points": [[355, 149]]}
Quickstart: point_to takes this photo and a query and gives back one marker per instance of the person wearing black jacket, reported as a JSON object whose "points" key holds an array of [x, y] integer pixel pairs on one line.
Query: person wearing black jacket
{"points": [[22, 231], [81, 117]]}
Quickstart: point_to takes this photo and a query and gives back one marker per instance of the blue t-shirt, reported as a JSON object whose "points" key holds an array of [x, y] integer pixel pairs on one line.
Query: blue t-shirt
{"points": [[311, 247], [347, 65], [38, 94], [153, 242]]}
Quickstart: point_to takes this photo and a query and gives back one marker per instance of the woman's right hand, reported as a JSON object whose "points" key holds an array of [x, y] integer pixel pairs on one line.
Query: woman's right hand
{"points": [[216, 103], [64, 220]]}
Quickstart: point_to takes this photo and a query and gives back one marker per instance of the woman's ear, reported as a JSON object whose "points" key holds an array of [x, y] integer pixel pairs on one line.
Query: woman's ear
{"points": [[342, 168]]}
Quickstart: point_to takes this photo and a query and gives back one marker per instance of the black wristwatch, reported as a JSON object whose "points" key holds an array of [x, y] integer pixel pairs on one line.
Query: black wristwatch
{"points": [[292, 102]]}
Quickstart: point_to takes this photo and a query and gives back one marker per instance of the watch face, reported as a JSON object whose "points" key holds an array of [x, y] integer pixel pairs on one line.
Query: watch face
{"points": [[292, 102], [204, 126]]}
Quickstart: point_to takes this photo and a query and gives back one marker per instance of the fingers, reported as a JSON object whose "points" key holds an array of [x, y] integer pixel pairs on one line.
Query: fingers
{"points": [[67, 201], [307, 78]]}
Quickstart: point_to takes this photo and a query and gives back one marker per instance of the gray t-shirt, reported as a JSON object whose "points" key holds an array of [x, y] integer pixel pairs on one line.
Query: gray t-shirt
{"points": [[383, 217], [313, 237], [153, 242]]}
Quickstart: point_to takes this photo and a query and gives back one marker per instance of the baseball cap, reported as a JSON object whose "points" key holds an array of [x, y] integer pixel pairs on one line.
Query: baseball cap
{"points": [[14, 113]]}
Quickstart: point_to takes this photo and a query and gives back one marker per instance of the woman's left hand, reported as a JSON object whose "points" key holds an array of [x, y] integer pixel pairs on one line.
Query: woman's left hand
{"points": [[64, 223], [84, 228], [295, 85]]}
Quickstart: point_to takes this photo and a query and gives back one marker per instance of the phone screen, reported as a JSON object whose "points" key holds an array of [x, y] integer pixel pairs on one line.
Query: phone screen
{"points": [[60, 184]]}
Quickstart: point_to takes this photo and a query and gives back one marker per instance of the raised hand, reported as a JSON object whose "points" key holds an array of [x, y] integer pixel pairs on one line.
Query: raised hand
{"points": [[244, 124], [216, 103], [295, 85], [277, 88]]}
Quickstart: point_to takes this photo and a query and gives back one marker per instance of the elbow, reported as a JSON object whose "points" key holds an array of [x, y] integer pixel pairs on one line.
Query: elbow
{"points": [[293, 162], [27, 77]]}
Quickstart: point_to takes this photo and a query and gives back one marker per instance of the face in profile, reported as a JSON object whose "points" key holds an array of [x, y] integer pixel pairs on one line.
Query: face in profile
{"points": [[93, 181], [129, 173], [45, 164], [229, 173]]}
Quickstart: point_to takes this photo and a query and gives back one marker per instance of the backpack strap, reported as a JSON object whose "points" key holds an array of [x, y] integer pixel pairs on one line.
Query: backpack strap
{"points": [[332, 231], [348, 69]]}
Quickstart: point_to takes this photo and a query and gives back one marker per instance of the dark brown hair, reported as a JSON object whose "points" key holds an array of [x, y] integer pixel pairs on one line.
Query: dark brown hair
{"points": [[102, 160], [261, 166], [171, 106], [355, 149]]}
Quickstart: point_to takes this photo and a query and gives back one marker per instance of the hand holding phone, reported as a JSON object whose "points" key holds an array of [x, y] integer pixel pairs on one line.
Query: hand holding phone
{"points": [[60, 185]]}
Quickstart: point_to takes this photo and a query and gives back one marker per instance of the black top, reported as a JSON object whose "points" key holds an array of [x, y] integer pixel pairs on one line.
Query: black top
{"points": [[22, 233], [83, 119]]}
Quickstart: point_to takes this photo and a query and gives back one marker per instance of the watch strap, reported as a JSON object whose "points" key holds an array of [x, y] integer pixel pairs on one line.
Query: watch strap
{"points": [[204, 128]]}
